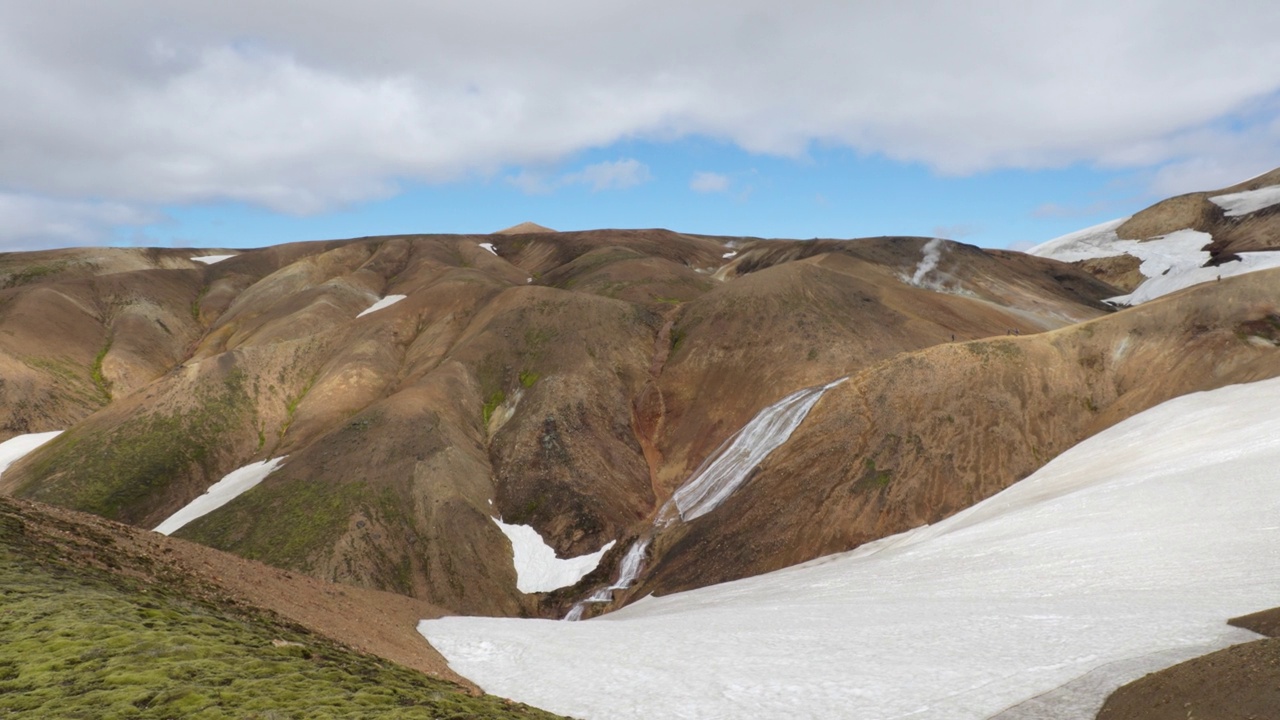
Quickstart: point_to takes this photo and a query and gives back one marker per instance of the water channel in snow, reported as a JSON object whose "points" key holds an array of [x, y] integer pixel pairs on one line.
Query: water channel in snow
{"points": [[718, 478]]}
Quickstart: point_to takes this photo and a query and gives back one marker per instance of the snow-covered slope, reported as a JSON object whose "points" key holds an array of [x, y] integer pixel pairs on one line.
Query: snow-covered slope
{"points": [[1249, 201], [1170, 262], [1127, 551]]}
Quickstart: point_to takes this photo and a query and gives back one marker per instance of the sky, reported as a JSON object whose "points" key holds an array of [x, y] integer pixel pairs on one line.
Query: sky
{"points": [[242, 124]]}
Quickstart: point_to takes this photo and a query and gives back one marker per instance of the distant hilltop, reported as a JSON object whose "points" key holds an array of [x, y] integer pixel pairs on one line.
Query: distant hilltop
{"points": [[525, 228]]}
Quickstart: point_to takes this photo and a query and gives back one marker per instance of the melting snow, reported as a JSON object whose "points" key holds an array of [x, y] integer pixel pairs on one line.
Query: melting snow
{"points": [[489, 247], [729, 467], [1099, 241], [15, 448], [1170, 263], [233, 485], [387, 301], [537, 567], [1141, 540], [211, 259], [1249, 201]]}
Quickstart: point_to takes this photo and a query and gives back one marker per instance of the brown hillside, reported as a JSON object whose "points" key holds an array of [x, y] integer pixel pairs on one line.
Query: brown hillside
{"points": [[570, 381], [923, 435], [1256, 231], [369, 621]]}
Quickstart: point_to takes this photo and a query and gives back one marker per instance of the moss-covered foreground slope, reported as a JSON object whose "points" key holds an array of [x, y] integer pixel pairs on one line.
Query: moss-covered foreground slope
{"points": [[85, 642]]}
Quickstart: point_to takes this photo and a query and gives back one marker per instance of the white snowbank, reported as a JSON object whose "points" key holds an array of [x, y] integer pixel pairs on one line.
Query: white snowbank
{"points": [[15, 448], [537, 567], [1098, 241], [1249, 201], [489, 247], [1143, 539], [1170, 263], [1174, 262], [385, 302], [211, 259], [231, 486]]}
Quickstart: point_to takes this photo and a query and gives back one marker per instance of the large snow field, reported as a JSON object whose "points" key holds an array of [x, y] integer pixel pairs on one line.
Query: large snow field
{"points": [[232, 485], [1170, 263], [1127, 552], [537, 567], [15, 448], [1249, 201]]}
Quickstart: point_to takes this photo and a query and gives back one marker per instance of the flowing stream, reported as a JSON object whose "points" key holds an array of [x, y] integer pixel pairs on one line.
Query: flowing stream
{"points": [[718, 478]]}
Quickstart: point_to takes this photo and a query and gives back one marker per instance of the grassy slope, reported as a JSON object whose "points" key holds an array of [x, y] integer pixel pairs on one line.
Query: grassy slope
{"points": [[82, 642]]}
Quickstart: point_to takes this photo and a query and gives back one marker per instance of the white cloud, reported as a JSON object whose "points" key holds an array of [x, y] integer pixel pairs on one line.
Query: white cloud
{"points": [[30, 223], [303, 109], [609, 175], [709, 182], [616, 175]]}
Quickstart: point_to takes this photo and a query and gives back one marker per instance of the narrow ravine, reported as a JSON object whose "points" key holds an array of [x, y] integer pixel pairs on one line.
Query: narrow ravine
{"points": [[714, 482]]}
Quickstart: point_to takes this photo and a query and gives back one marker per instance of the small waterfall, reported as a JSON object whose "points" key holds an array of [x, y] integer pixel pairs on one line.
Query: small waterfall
{"points": [[629, 570], [718, 477]]}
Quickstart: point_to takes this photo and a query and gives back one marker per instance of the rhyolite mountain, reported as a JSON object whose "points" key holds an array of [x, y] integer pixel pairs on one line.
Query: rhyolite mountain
{"points": [[572, 382]]}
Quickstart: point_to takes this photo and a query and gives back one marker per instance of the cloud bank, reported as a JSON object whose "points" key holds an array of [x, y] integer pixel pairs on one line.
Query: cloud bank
{"points": [[305, 108]]}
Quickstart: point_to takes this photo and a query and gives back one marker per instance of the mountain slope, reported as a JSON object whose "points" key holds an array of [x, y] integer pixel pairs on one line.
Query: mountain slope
{"points": [[102, 619], [567, 381], [1126, 552], [1182, 241]]}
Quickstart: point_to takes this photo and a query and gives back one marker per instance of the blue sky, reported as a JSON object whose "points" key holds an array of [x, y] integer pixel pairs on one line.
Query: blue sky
{"points": [[831, 192], [245, 123]]}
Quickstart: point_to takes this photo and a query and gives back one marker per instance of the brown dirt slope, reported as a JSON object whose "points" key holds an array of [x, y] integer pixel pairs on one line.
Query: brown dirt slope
{"points": [[922, 435], [570, 381], [1241, 682], [1256, 231]]}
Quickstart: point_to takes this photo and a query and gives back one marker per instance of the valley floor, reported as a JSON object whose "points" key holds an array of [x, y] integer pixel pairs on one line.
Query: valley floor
{"points": [[1123, 555]]}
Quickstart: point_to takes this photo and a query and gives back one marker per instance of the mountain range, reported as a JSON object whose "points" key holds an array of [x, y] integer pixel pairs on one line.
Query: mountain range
{"points": [[539, 424]]}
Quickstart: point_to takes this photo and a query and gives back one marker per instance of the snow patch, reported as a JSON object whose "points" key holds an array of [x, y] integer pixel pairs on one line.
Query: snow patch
{"points": [[232, 485], [537, 567], [1249, 201], [1176, 261], [385, 302], [489, 247], [1170, 262], [17, 447], [211, 259], [1099, 241], [1140, 540]]}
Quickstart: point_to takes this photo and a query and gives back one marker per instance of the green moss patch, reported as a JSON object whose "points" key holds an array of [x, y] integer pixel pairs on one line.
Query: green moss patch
{"points": [[115, 472], [83, 643], [305, 516]]}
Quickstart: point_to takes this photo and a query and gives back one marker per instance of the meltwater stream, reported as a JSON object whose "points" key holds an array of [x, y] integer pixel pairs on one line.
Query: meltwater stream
{"points": [[734, 460], [718, 478]]}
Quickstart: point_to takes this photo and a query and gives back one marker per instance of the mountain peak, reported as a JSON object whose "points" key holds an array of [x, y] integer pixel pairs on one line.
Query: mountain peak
{"points": [[523, 228]]}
